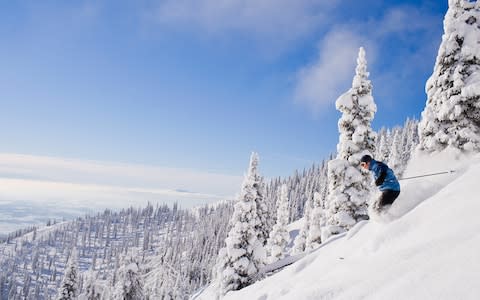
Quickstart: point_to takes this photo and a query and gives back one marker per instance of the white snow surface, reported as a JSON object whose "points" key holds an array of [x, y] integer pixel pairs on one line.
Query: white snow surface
{"points": [[425, 247]]}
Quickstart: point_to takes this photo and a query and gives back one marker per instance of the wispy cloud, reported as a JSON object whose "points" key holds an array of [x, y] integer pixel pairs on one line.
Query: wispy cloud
{"points": [[319, 84], [322, 82], [72, 187], [403, 20], [279, 21]]}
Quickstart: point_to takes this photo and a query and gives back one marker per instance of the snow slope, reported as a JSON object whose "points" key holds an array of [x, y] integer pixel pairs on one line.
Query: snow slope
{"points": [[427, 247]]}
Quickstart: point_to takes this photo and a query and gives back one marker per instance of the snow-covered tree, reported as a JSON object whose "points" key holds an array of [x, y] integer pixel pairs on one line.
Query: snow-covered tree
{"points": [[12, 292], [358, 109], [2, 286], [263, 227], [244, 254], [27, 280], [348, 183], [129, 285], [452, 114], [394, 147], [383, 145], [93, 289], [69, 286], [317, 221], [411, 140], [396, 156], [300, 242], [279, 237]]}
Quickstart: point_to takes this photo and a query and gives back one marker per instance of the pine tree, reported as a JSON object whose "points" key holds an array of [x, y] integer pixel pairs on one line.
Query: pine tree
{"points": [[279, 236], [412, 138], [317, 221], [129, 284], [452, 114], [2, 287], [263, 227], [300, 242], [409, 143], [348, 183], [12, 292], [93, 291], [239, 262], [395, 160], [384, 145], [69, 287]]}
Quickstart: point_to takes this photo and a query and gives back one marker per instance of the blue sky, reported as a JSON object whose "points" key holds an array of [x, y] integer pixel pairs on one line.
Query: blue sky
{"points": [[199, 84]]}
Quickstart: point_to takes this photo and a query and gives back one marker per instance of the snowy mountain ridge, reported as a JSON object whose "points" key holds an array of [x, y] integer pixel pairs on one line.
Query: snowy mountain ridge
{"points": [[425, 247]]}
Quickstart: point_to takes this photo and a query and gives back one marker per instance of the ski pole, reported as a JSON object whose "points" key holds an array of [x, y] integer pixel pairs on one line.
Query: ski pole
{"points": [[426, 175]]}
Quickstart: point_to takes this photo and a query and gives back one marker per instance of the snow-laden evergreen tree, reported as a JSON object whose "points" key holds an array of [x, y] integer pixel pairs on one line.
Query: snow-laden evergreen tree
{"points": [[411, 131], [317, 221], [2, 287], [279, 237], [452, 114], [12, 292], [265, 225], [396, 146], [69, 286], [300, 242], [384, 142], [129, 285], [349, 185], [396, 155], [27, 280], [323, 182], [93, 289], [409, 140], [240, 261], [380, 140]]}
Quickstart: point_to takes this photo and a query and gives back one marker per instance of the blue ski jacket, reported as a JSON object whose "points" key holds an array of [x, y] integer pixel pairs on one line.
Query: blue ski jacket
{"points": [[384, 177]]}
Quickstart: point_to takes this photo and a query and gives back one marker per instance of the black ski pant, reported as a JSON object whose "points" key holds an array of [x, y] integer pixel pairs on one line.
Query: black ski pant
{"points": [[387, 197]]}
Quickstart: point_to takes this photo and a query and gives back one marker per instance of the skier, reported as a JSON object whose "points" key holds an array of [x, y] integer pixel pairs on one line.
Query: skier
{"points": [[385, 180]]}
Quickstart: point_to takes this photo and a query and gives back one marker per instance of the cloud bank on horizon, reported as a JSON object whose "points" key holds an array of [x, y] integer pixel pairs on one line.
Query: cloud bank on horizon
{"points": [[34, 189]]}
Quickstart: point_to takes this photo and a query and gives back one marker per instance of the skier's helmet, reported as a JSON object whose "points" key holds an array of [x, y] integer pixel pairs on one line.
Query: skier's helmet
{"points": [[366, 159]]}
